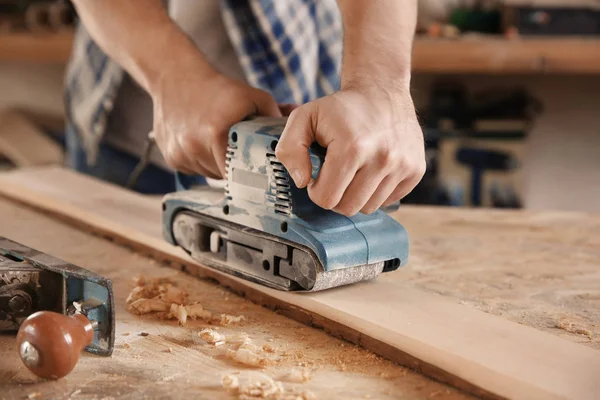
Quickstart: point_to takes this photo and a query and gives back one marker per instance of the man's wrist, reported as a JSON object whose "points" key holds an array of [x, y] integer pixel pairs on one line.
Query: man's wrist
{"points": [[170, 58]]}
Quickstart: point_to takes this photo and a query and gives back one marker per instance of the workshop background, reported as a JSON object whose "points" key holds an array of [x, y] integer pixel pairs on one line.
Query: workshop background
{"points": [[508, 93]]}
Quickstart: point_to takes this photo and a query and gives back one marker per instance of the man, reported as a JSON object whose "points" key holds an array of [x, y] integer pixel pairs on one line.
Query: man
{"points": [[194, 73]]}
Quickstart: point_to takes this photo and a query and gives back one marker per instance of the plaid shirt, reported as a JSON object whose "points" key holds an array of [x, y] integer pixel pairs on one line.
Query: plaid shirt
{"points": [[291, 49]]}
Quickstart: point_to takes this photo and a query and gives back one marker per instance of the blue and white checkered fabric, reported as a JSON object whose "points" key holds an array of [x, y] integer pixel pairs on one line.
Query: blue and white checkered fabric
{"points": [[290, 48]]}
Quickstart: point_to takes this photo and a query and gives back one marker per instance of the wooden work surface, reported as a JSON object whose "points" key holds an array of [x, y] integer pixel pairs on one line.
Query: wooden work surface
{"points": [[143, 367], [541, 270]]}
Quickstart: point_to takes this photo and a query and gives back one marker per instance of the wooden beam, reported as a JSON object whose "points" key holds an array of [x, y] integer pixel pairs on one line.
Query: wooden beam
{"points": [[40, 48], [472, 350], [502, 56]]}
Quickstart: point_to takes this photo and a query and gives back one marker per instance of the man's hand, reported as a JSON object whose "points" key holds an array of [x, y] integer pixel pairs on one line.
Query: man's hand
{"points": [[192, 116], [375, 149], [194, 105]]}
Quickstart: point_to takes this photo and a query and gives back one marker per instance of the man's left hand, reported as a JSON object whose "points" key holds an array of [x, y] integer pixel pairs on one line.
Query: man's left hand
{"points": [[375, 148]]}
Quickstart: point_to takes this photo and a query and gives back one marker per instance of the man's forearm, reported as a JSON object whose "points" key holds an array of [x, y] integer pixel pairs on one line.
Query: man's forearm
{"points": [[378, 37], [141, 37]]}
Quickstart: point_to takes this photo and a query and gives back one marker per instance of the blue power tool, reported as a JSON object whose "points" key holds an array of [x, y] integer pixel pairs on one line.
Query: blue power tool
{"points": [[268, 231]]}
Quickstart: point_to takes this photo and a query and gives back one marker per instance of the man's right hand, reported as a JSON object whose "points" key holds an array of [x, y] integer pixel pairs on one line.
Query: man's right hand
{"points": [[193, 112]]}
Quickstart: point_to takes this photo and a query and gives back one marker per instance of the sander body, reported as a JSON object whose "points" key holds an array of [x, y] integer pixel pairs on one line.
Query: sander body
{"points": [[267, 230]]}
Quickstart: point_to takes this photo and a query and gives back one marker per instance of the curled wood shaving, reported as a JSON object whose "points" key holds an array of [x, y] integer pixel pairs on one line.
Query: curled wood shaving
{"points": [[253, 386], [172, 294], [193, 311], [212, 337], [248, 354], [145, 306], [226, 319], [142, 292]]}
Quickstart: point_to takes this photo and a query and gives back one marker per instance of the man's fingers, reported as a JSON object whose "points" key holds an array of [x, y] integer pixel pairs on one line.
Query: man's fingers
{"points": [[381, 194], [336, 174], [265, 105], [191, 157], [292, 149], [360, 190], [403, 188], [286, 109]]}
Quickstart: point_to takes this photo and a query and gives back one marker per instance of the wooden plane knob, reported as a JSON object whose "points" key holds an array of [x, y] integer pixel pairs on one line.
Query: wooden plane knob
{"points": [[50, 343]]}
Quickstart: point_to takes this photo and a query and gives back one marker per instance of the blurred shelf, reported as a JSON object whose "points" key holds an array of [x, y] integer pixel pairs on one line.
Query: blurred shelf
{"points": [[503, 56], [41, 48], [438, 56]]}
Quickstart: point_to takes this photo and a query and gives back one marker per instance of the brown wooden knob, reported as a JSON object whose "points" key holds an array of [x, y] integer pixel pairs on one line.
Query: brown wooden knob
{"points": [[50, 343]]}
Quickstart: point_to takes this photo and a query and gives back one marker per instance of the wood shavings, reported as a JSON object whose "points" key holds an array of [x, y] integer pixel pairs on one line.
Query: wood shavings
{"points": [[297, 375], [226, 319], [572, 327], [211, 336], [253, 386], [257, 385], [179, 312], [161, 296], [193, 311], [126, 346], [142, 292], [268, 348], [172, 294], [145, 306], [145, 281], [248, 354]]}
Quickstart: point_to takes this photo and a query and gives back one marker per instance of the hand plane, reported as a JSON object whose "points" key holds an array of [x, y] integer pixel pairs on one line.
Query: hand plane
{"points": [[267, 230], [56, 308]]}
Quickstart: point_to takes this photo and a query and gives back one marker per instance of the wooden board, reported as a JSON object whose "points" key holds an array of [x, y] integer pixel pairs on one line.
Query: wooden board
{"points": [[502, 56], [24, 144], [142, 366], [482, 353], [40, 48]]}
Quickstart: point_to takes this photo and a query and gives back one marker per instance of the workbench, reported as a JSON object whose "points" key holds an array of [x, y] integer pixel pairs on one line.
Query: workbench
{"points": [[541, 270], [172, 361]]}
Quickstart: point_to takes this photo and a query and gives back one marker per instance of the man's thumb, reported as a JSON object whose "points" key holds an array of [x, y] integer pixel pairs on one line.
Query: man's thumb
{"points": [[292, 149]]}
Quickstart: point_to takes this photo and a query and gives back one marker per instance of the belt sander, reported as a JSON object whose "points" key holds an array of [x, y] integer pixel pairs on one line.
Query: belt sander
{"points": [[267, 230]]}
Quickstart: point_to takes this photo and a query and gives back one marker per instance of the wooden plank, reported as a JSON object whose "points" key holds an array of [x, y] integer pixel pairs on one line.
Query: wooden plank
{"points": [[41, 48], [142, 366], [484, 354], [24, 144], [502, 56]]}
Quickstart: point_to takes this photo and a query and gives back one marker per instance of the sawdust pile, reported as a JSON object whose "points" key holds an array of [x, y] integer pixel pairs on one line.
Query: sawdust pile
{"points": [[163, 298], [256, 385]]}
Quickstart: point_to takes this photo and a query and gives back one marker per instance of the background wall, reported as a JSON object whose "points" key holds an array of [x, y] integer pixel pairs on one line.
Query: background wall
{"points": [[562, 153], [36, 88]]}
